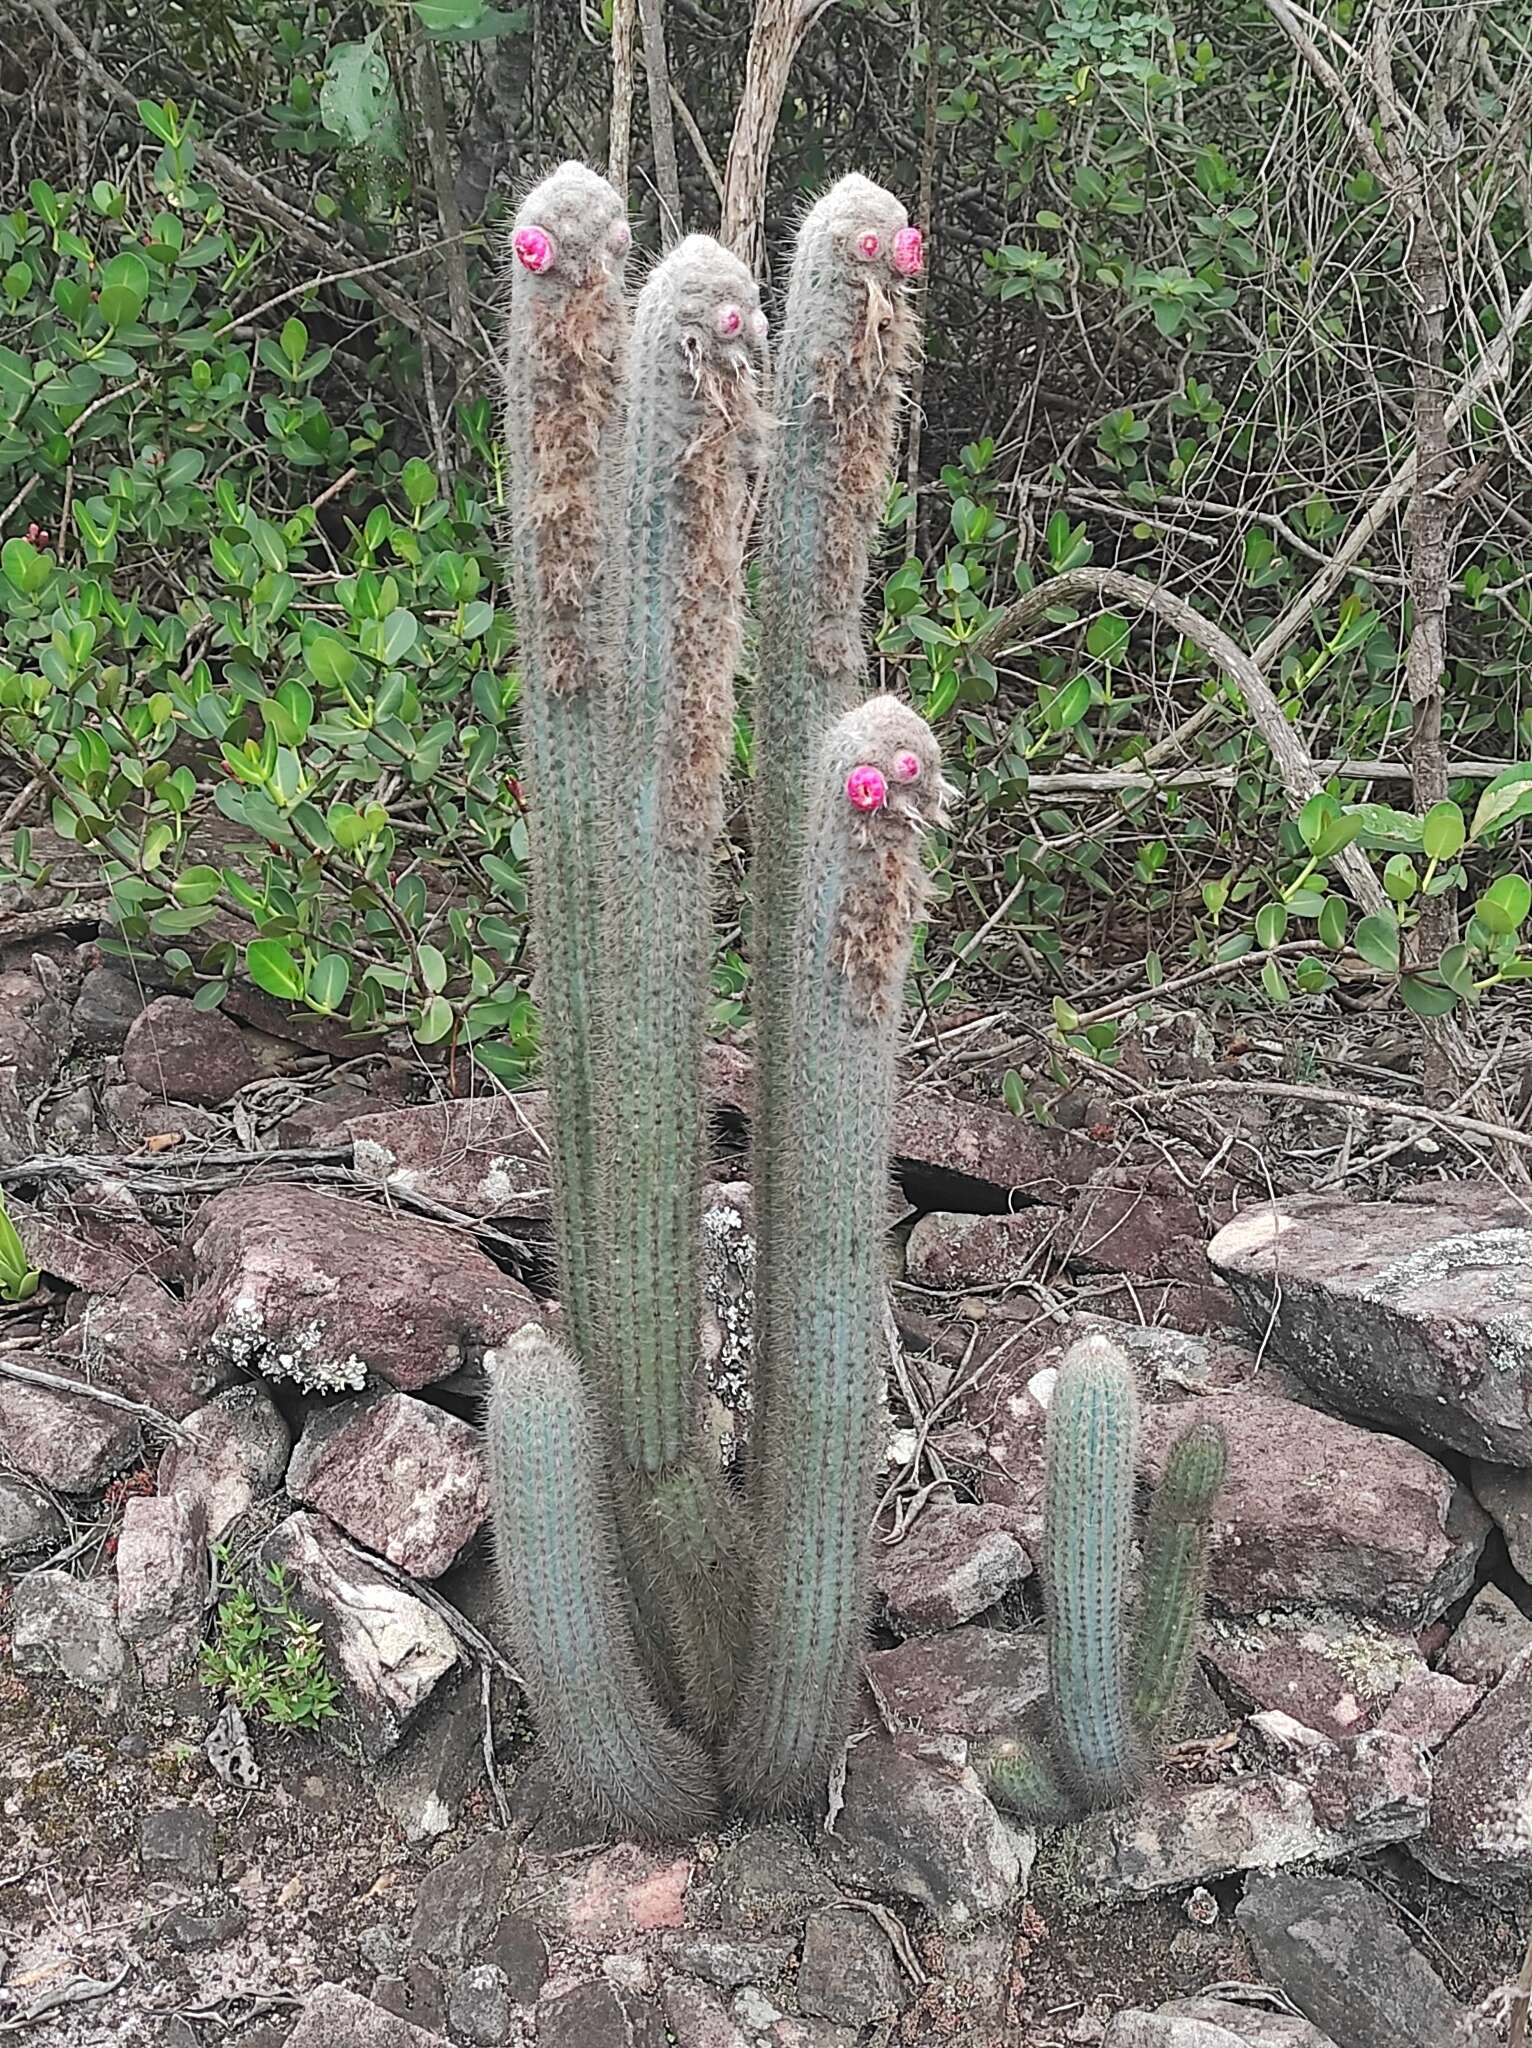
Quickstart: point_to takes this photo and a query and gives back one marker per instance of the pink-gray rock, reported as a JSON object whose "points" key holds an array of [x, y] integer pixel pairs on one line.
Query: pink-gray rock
{"points": [[439, 1763], [916, 1823], [387, 1650], [597, 2014], [67, 1441], [312, 1288], [96, 1238], [30, 1524], [724, 1960], [1334, 1672], [699, 2018], [974, 1682], [847, 1973], [162, 1584], [1132, 1230], [334, 2017], [63, 1627], [139, 1342], [1416, 1311], [1212, 2023], [1307, 1800], [1428, 1707], [1507, 1494], [1488, 1640], [406, 1479], [949, 1249], [955, 1561], [182, 1054], [487, 1156], [1480, 1832], [105, 1009], [34, 1032], [234, 1452]]}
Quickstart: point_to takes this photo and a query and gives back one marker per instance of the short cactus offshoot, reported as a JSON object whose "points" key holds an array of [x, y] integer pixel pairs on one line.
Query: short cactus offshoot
{"points": [[1114, 1692], [670, 1661]]}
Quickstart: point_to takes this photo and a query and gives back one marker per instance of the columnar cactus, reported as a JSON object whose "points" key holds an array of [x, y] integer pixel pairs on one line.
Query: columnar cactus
{"points": [[1112, 1698]]}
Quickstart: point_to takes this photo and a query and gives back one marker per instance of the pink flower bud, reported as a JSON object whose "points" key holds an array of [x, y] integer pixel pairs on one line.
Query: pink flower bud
{"points": [[728, 320], [906, 766], [909, 252], [760, 326], [534, 249], [619, 237], [865, 788], [868, 244]]}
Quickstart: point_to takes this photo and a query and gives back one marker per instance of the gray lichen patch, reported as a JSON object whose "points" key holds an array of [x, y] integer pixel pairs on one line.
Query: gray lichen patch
{"points": [[303, 1355]]}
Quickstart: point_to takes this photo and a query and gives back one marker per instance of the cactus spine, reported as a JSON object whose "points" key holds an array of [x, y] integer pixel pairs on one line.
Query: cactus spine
{"points": [[877, 786], [1111, 1702]]}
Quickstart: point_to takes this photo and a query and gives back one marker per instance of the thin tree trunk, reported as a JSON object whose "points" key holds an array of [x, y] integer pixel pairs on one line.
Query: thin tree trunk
{"points": [[927, 220], [619, 156], [779, 29], [662, 132], [434, 120]]}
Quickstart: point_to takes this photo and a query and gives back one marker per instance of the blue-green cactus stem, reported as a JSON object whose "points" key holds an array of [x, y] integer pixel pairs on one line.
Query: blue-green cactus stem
{"points": [[1173, 1580]]}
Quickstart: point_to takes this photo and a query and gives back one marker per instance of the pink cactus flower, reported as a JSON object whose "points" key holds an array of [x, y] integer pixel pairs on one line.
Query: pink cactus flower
{"points": [[909, 252], [534, 249], [728, 320], [868, 244], [906, 766], [619, 237], [865, 788]]}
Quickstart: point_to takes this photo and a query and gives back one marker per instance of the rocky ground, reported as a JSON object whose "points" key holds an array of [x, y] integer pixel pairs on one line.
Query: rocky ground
{"points": [[271, 1262]]}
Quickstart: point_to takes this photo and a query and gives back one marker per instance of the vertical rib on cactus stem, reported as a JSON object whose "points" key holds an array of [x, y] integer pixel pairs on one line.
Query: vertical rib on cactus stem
{"points": [[1087, 1527], [876, 787], [1174, 1574], [693, 437], [570, 1625], [565, 336], [847, 337]]}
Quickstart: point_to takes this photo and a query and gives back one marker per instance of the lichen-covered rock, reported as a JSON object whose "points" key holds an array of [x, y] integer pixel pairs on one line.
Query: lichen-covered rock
{"points": [[162, 1584], [67, 1441], [1309, 1800], [1480, 1831], [308, 1287], [63, 1627], [916, 1823], [955, 1561], [387, 1650], [1416, 1311], [949, 1249], [406, 1479], [728, 1313], [485, 1156], [233, 1453], [1334, 1672], [182, 1054]]}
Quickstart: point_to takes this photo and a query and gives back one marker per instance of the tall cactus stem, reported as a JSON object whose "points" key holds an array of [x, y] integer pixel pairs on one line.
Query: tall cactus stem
{"points": [[876, 788], [569, 1621], [1092, 1436], [566, 333], [1173, 1578], [849, 332], [691, 445]]}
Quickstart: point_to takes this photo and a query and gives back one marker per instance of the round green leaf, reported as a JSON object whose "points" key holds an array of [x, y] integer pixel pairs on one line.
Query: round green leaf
{"points": [[435, 1021], [1270, 924], [1069, 705], [1427, 998], [1332, 924], [1442, 833], [1377, 940], [124, 288], [272, 967], [1504, 905]]}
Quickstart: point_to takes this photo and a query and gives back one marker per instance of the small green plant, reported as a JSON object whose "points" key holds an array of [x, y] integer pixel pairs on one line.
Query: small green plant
{"points": [[18, 1276], [270, 1658]]}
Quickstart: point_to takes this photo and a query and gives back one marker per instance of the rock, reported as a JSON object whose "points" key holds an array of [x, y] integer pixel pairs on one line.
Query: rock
{"points": [[182, 1054], [767, 1880], [193, 1933], [96, 1239], [139, 1342], [625, 1890], [162, 1584], [1314, 1800], [1507, 1495], [975, 1682], [406, 1479], [234, 1453], [1333, 1672], [175, 1844], [956, 1561], [717, 1959], [414, 1992], [948, 1250], [308, 1287], [1428, 1707], [1416, 1311], [959, 1151], [63, 1627], [105, 1009], [1212, 2023], [1319, 1513], [597, 2015], [334, 2017], [699, 2018], [479, 2006], [487, 1156], [30, 1525], [848, 1973], [424, 1783], [916, 1824], [34, 1034], [387, 1650], [1328, 1943], [1131, 1230], [462, 1902], [520, 1954], [1488, 1640], [1480, 1832], [67, 1441]]}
